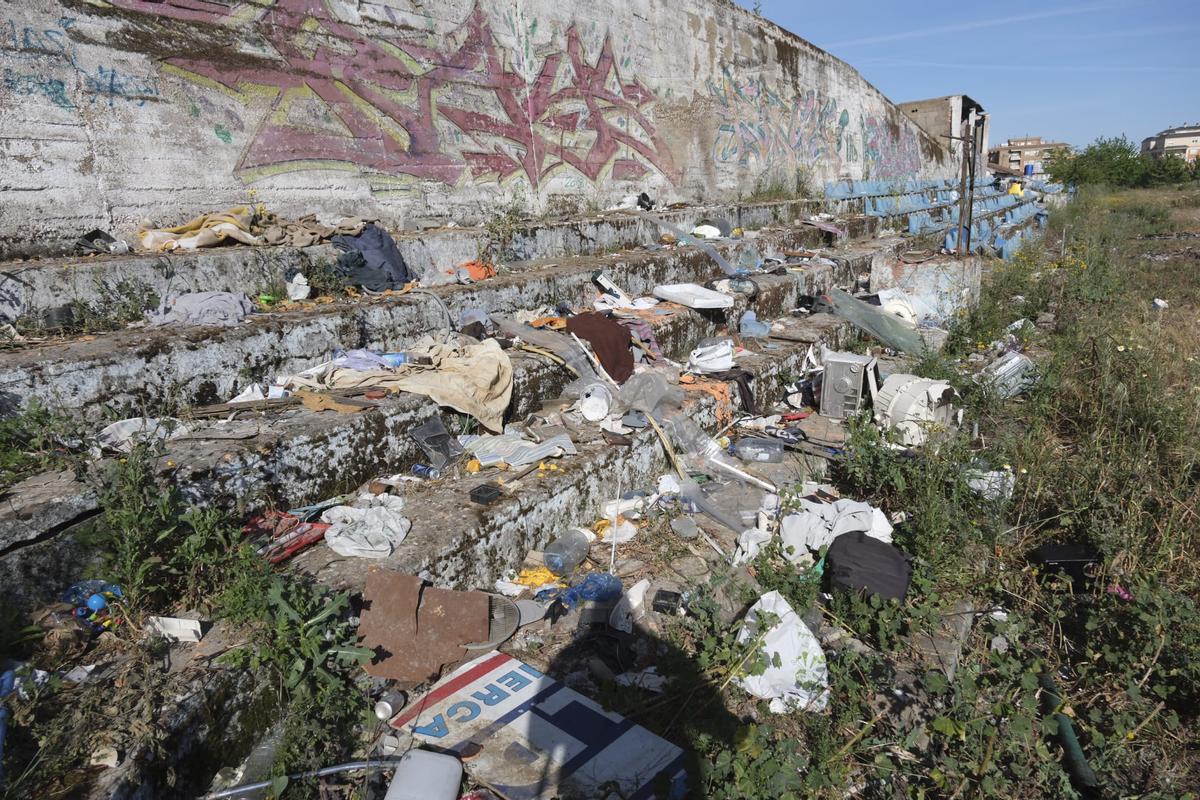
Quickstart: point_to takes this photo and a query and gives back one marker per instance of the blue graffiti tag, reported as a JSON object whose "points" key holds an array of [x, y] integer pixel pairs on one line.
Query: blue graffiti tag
{"points": [[104, 84]]}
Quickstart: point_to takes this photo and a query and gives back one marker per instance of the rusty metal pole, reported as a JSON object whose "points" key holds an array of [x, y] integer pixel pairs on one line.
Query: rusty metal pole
{"points": [[976, 145], [963, 201]]}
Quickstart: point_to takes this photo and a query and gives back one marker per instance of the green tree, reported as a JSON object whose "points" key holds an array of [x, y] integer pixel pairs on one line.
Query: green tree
{"points": [[1111, 161]]}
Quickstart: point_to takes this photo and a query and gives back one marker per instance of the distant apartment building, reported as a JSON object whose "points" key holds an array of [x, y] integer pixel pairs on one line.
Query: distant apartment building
{"points": [[1183, 141], [1015, 154]]}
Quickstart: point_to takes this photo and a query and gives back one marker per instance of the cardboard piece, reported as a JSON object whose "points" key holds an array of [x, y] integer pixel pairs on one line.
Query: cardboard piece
{"points": [[175, 628], [417, 630], [529, 737]]}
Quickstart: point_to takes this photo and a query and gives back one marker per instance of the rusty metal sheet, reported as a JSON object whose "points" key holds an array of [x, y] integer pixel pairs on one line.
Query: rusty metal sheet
{"points": [[417, 630]]}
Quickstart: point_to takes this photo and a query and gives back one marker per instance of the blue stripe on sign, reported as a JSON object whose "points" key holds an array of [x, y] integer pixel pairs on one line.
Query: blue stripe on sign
{"points": [[678, 782]]}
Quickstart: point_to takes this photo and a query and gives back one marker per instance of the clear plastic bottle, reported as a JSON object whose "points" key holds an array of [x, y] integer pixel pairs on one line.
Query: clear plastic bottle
{"points": [[567, 552], [754, 448]]}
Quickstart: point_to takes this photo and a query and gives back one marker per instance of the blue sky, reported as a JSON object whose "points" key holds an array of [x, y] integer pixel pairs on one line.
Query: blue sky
{"points": [[1068, 71]]}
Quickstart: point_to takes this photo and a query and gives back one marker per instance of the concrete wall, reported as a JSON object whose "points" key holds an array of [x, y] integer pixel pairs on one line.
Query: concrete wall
{"points": [[117, 110]]}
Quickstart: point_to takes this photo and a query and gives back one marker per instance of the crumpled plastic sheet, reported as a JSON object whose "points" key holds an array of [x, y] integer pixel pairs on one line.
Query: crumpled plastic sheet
{"points": [[370, 527], [122, 436], [801, 679]]}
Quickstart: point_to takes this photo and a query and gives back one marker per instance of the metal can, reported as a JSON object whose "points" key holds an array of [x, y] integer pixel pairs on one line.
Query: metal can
{"points": [[425, 471], [390, 704]]}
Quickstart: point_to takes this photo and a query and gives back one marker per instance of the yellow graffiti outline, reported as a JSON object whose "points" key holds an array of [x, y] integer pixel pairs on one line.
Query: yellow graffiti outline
{"points": [[279, 115], [386, 124], [254, 174]]}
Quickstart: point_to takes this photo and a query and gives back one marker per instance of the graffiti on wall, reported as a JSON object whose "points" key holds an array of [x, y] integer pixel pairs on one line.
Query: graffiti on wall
{"points": [[889, 153], [761, 130], [44, 61], [406, 108]]}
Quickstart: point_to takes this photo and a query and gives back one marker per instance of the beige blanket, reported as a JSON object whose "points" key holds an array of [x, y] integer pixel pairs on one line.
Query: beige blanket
{"points": [[475, 378]]}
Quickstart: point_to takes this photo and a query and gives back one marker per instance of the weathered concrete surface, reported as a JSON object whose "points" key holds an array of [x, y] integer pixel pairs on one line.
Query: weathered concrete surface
{"points": [[297, 457], [940, 286], [28, 288], [128, 109], [162, 368]]}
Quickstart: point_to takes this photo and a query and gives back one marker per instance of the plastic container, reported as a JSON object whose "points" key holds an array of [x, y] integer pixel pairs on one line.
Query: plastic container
{"points": [[425, 775], [567, 552], [395, 359], [752, 449]]}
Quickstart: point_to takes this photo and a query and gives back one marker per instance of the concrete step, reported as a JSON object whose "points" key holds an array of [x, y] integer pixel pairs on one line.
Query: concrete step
{"points": [[166, 368], [458, 543], [297, 457], [28, 288]]}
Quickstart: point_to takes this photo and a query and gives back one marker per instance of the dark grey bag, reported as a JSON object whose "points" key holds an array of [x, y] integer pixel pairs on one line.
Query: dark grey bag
{"points": [[862, 564]]}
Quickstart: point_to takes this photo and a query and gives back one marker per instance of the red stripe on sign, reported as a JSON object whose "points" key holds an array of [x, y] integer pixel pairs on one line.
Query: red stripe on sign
{"points": [[449, 688]]}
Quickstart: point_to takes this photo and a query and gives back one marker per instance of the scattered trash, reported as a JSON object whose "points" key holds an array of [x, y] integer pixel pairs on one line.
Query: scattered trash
{"points": [[630, 608], [755, 449], [486, 494], [390, 705], [124, 435], [298, 287], [750, 327], [997, 484], [847, 383], [1009, 375], [439, 447], [716, 356], [795, 677], [647, 679], [425, 775], [874, 320], [218, 309], [567, 552], [916, 407], [569, 746], [818, 524], [1160, 304]]}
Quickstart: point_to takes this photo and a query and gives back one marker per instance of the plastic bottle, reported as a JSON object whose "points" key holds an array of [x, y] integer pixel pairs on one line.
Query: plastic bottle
{"points": [[79, 593], [753, 448], [566, 553]]}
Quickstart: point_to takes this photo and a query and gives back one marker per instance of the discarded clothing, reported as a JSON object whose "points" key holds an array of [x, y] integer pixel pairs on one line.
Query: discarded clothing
{"points": [[608, 339], [475, 378], [515, 451], [818, 524], [307, 230], [381, 267], [122, 436], [796, 676], [219, 309], [370, 527], [642, 332], [205, 230]]}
